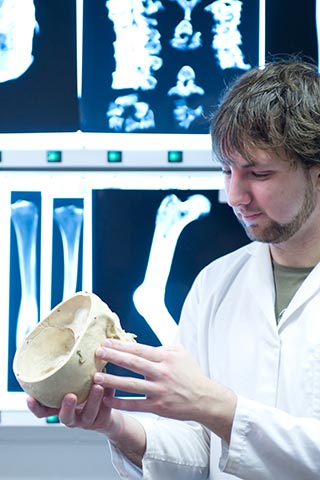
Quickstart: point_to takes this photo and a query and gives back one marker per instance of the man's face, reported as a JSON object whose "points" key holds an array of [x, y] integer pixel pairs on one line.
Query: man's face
{"points": [[271, 198]]}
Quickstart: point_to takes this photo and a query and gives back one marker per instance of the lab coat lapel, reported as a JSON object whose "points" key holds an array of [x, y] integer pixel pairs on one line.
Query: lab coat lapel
{"points": [[261, 282], [309, 288]]}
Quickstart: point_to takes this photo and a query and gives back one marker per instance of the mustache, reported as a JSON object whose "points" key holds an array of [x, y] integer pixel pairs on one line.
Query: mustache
{"points": [[246, 212]]}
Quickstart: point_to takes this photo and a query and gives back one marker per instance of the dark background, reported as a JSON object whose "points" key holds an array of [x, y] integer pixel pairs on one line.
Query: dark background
{"points": [[291, 28]]}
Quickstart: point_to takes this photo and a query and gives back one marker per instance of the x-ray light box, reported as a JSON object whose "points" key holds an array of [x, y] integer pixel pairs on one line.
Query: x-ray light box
{"points": [[105, 232]]}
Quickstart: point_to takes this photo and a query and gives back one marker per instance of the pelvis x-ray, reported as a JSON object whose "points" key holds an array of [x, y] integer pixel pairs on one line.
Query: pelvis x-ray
{"points": [[46, 251], [18, 25], [162, 64]]}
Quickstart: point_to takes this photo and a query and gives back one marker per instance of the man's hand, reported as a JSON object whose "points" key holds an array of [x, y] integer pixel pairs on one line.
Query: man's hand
{"points": [[95, 414], [173, 385]]}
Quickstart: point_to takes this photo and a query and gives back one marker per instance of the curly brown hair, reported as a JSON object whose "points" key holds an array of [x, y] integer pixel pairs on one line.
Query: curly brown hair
{"points": [[274, 107]]}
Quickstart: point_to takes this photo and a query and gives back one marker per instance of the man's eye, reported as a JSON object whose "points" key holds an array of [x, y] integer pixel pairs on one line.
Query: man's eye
{"points": [[260, 174], [226, 171]]}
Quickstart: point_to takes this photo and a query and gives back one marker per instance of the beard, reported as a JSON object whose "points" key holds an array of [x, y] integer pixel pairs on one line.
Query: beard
{"points": [[281, 232]]}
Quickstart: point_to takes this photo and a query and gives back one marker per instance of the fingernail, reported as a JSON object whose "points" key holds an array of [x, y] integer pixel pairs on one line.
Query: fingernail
{"points": [[107, 343], [69, 401], [100, 351], [98, 378]]}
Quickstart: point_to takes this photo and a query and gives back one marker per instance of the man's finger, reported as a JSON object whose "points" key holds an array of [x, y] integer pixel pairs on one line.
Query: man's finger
{"points": [[154, 354]]}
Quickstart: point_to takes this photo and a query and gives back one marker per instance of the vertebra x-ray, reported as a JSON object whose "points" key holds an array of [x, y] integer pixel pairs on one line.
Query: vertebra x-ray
{"points": [[160, 57], [227, 38], [184, 36]]}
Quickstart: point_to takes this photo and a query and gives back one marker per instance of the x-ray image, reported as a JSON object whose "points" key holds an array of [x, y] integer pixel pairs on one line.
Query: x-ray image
{"points": [[159, 66], [49, 267], [172, 216], [24, 281], [38, 70], [67, 248], [148, 247], [17, 27], [25, 220]]}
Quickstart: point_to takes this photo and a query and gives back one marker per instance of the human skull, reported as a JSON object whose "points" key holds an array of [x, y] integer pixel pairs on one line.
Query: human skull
{"points": [[58, 355]]}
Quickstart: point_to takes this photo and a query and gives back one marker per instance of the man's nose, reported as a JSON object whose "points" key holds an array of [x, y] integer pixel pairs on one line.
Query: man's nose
{"points": [[238, 192]]}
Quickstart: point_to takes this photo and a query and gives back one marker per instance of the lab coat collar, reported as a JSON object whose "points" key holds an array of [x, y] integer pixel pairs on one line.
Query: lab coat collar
{"points": [[309, 288], [262, 284]]}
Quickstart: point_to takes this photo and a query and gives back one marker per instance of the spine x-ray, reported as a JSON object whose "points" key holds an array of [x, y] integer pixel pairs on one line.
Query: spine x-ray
{"points": [[161, 65]]}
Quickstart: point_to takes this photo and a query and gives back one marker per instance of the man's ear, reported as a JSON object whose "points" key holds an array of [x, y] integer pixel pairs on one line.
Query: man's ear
{"points": [[315, 175]]}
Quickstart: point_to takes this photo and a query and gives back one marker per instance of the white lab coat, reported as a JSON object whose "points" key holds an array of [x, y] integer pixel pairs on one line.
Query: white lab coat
{"points": [[228, 323]]}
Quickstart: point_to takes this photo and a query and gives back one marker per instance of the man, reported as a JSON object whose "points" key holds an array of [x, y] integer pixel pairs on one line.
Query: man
{"points": [[239, 395]]}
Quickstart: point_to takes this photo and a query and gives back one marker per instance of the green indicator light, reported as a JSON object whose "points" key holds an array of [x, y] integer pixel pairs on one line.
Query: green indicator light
{"points": [[175, 156], [54, 156], [53, 419], [114, 156]]}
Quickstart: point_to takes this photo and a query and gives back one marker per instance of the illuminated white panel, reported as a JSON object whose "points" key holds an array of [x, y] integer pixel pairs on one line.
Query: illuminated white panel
{"points": [[89, 151], [70, 185]]}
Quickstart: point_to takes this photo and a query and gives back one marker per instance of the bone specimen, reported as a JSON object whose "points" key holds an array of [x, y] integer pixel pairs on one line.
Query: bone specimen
{"points": [[149, 298], [69, 220], [58, 356], [17, 27], [227, 38], [24, 216]]}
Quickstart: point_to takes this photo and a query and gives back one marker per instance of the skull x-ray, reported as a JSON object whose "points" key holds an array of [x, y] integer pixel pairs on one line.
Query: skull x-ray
{"points": [[160, 66], [38, 66], [18, 25]]}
